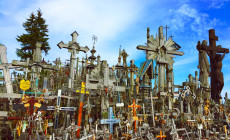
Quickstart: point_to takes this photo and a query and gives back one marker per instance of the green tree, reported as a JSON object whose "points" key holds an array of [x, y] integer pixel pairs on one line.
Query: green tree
{"points": [[36, 29]]}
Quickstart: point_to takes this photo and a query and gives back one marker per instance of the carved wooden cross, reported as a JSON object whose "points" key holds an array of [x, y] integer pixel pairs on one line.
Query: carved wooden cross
{"points": [[83, 91], [212, 51], [161, 136], [163, 51], [134, 106], [5, 67], [73, 47]]}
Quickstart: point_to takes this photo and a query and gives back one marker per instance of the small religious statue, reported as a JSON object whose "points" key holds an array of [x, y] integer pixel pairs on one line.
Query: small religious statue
{"points": [[204, 67]]}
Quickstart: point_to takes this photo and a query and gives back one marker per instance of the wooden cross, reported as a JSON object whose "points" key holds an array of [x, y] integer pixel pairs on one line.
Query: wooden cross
{"points": [[59, 108], [5, 67], [163, 51], [83, 91], [161, 136], [166, 30], [88, 106], [212, 51], [134, 107], [74, 48], [72, 129]]}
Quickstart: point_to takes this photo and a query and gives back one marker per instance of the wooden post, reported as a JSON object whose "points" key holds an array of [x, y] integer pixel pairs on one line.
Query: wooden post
{"points": [[6, 72]]}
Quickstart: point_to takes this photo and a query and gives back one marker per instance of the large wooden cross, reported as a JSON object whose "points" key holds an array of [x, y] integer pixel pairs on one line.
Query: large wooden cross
{"points": [[35, 64], [163, 51], [213, 52], [134, 106], [58, 108], [5, 67], [82, 91], [74, 48]]}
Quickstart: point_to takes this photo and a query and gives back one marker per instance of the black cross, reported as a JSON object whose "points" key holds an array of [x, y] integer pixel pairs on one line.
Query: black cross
{"points": [[94, 38], [166, 30]]}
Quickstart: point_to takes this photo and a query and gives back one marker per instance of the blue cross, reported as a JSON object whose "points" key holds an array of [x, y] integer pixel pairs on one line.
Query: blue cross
{"points": [[111, 120]]}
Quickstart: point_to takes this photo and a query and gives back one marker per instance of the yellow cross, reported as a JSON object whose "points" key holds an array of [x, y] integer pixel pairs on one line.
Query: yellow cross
{"points": [[161, 136], [19, 128], [25, 99], [207, 101], [83, 91], [225, 129]]}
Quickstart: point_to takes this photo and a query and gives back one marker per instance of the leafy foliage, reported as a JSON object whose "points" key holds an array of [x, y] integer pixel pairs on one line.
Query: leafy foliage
{"points": [[36, 29]]}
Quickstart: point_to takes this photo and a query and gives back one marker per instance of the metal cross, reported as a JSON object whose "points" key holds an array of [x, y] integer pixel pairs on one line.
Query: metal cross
{"points": [[171, 36], [166, 30], [94, 38]]}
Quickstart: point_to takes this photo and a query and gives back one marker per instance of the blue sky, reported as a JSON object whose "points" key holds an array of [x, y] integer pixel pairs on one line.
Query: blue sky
{"points": [[122, 22]]}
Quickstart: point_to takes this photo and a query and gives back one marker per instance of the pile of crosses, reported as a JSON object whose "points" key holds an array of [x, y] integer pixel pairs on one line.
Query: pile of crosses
{"points": [[87, 99]]}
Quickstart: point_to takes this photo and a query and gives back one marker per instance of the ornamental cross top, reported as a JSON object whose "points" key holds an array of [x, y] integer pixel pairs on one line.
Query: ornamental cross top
{"points": [[73, 45], [94, 38]]}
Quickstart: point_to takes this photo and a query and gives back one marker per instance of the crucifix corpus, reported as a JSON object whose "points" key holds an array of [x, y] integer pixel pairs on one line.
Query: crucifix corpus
{"points": [[214, 52]]}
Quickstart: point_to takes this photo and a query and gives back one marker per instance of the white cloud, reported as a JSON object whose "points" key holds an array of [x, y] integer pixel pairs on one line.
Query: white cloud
{"points": [[105, 19], [185, 61], [217, 3], [187, 17]]}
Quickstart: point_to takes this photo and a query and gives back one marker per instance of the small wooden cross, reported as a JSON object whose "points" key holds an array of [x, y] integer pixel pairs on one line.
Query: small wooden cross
{"points": [[161, 136], [134, 107], [207, 103]]}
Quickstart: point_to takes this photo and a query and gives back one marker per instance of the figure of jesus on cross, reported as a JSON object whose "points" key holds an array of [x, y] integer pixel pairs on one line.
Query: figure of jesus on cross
{"points": [[213, 51]]}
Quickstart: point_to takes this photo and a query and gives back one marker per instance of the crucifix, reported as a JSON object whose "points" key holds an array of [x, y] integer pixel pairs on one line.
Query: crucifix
{"points": [[74, 48], [88, 106], [134, 106], [214, 52]]}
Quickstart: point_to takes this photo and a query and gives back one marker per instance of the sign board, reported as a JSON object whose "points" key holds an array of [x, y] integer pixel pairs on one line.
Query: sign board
{"points": [[24, 85], [119, 104]]}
